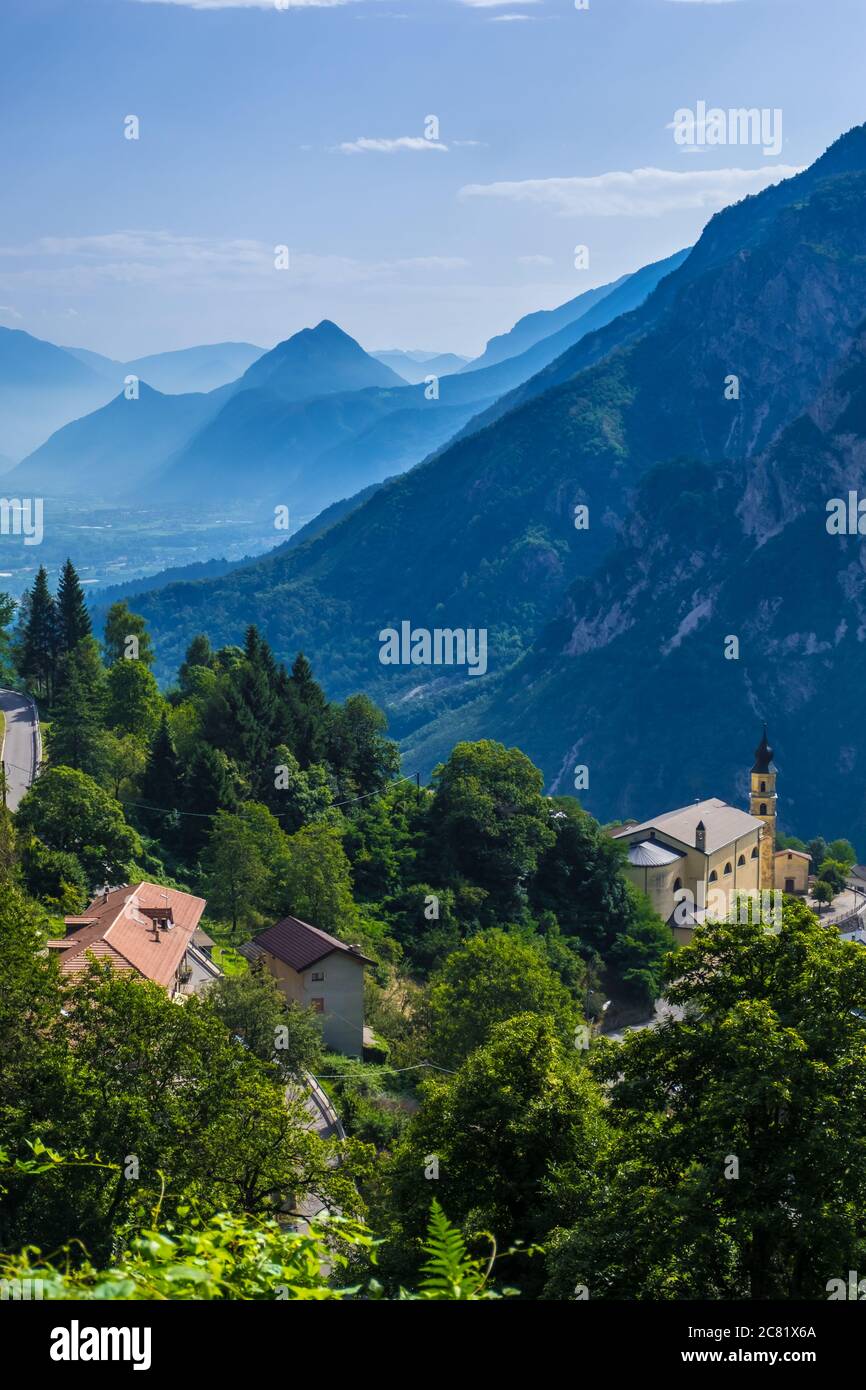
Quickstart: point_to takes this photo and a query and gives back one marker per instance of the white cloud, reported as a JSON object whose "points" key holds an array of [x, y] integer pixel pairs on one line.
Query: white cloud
{"points": [[496, 4], [403, 142], [7, 311], [639, 193], [252, 4], [535, 260], [146, 258]]}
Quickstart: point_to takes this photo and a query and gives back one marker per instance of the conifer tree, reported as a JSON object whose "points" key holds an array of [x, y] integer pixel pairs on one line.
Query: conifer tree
{"points": [[77, 738], [207, 788], [161, 783], [38, 650], [308, 706], [73, 619]]}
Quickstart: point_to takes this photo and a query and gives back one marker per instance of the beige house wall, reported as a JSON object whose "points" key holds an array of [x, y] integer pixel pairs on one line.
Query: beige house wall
{"points": [[341, 991]]}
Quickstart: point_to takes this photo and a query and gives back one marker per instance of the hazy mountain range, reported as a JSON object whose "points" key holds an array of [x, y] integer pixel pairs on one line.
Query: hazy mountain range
{"points": [[705, 431], [314, 420]]}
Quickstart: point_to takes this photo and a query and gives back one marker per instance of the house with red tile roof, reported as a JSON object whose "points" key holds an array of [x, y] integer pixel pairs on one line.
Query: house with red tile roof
{"points": [[317, 971], [145, 929]]}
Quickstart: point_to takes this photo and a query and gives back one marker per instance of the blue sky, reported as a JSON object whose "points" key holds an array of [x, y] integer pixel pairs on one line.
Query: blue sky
{"points": [[305, 127]]}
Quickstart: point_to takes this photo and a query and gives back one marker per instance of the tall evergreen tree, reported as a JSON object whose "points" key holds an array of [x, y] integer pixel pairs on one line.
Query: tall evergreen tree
{"points": [[73, 619], [161, 788], [77, 738], [38, 646], [161, 783], [308, 708], [207, 788]]}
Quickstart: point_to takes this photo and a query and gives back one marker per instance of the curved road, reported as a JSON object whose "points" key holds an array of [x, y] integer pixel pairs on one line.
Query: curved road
{"points": [[22, 748]]}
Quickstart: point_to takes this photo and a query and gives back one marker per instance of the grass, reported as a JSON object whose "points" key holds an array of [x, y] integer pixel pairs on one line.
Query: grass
{"points": [[229, 960]]}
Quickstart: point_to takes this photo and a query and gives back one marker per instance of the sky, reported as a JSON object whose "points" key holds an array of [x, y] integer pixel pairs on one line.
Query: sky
{"points": [[430, 166]]}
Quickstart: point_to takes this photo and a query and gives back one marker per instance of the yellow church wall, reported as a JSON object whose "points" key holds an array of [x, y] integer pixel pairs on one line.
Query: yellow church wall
{"points": [[789, 864]]}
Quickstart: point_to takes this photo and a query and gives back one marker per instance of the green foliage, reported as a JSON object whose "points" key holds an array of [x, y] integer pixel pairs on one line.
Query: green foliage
{"points": [[489, 821], [730, 1176], [516, 1135], [318, 882], [68, 811], [79, 713], [54, 876], [253, 1008], [843, 852], [449, 1272], [490, 979], [73, 619], [134, 704], [229, 1257], [120, 626], [835, 873], [822, 891]]}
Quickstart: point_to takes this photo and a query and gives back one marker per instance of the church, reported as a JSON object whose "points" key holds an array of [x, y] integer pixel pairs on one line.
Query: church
{"points": [[710, 848]]}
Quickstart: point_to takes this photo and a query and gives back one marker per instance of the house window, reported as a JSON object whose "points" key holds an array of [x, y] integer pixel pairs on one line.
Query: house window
{"points": [[713, 876], [763, 809], [318, 1005], [317, 975], [728, 869], [741, 861]]}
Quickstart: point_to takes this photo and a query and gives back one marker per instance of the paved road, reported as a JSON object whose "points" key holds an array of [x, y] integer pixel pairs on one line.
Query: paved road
{"points": [[22, 748]]}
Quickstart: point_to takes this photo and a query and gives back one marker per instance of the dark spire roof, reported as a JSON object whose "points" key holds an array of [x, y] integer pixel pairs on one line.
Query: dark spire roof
{"points": [[763, 754]]}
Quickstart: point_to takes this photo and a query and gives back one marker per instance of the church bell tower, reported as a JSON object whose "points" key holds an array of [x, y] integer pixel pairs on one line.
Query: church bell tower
{"points": [[762, 803]]}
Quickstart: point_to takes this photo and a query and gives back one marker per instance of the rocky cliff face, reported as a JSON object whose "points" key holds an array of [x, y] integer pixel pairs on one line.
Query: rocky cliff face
{"points": [[638, 677], [706, 522]]}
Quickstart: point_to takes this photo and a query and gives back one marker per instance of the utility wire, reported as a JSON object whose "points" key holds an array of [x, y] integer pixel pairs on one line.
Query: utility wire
{"points": [[278, 815]]}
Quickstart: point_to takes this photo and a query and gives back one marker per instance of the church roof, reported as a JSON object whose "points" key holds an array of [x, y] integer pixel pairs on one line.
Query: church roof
{"points": [[652, 854], [723, 824]]}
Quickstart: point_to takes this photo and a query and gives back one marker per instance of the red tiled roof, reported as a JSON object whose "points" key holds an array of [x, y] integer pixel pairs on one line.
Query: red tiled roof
{"points": [[123, 932], [300, 945]]}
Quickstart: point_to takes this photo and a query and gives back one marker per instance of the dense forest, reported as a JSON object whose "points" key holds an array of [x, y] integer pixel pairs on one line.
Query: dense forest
{"points": [[497, 1143]]}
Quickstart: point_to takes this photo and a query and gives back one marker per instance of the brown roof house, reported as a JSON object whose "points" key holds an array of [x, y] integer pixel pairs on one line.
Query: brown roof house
{"points": [[146, 929], [318, 971]]}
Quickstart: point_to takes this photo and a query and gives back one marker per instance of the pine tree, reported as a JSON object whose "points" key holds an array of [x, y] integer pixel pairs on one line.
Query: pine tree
{"points": [[77, 738], [161, 787], [73, 619], [161, 783], [207, 788], [308, 707], [38, 651]]}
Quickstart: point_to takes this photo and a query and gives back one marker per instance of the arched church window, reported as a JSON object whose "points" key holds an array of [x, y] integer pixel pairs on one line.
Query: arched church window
{"points": [[741, 861], [763, 810], [713, 876], [763, 786], [728, 869], [755, 852], [678, 883]]}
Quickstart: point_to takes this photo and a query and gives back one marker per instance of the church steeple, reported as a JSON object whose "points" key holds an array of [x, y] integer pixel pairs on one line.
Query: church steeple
{"points": [[762, 803], [763, 754]]}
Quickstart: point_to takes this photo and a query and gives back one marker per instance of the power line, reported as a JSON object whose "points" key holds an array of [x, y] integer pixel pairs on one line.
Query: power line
{"points": [[278, 815]]}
